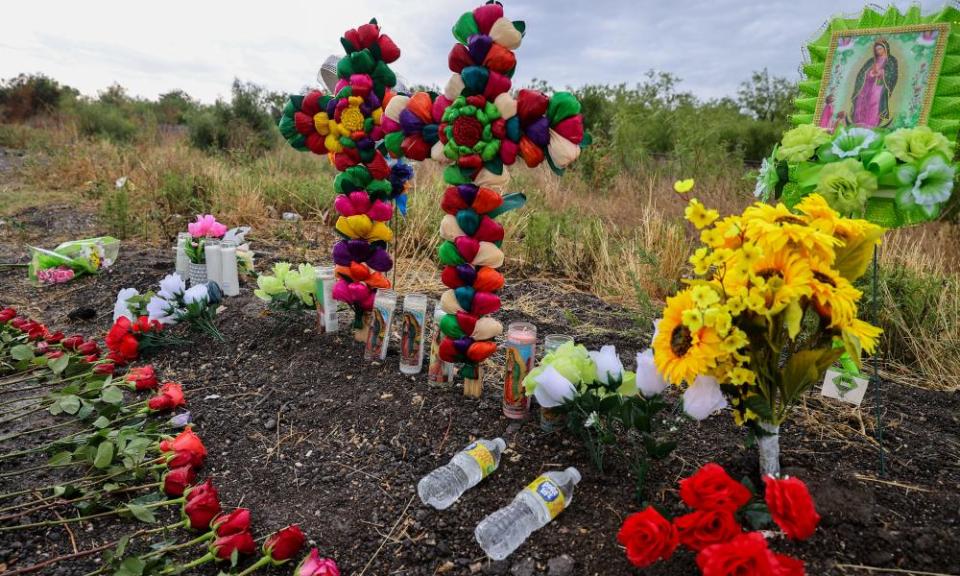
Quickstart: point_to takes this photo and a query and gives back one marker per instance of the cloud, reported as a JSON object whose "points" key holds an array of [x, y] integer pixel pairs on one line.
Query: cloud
{"points": [[149, 48]]}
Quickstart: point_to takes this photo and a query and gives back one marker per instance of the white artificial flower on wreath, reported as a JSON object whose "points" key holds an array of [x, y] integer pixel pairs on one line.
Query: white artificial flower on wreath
{"points": [[553, 389], [171, 287], [196, 294], [122, 306], [703, 398], [649, 381], [609, 366]]}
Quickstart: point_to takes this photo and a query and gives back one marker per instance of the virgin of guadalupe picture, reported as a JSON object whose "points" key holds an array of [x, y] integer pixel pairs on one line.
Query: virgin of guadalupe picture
{"points": [[410, 341], [881, 78]]}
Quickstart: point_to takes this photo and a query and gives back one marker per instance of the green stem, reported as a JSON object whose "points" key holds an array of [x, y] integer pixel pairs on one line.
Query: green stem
{"points": [[27, 413], [15, 400], [71, 501], [263, 561], [91, 481], [85, 518], [22, 377], [203, 538], [184, 567], [48, 384], [34, 431]]}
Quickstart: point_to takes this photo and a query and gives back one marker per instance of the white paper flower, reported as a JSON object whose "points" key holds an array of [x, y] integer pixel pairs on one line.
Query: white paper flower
{"points": [[609, 367], [171, 287], [852, 142], [649, 381], [196, 294], [703, 398], [553, 389], [161, 310], [122, 308]]}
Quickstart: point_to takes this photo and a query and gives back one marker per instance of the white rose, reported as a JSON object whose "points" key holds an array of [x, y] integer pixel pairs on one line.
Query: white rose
{"points": [[649, 381], [196, 293], [161, 310], [703, 398], [609, 367], [171, 287], [121, 308], [553, 389]]}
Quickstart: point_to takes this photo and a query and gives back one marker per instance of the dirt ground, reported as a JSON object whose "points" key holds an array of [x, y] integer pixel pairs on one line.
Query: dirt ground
{"points": [[301, 429]]}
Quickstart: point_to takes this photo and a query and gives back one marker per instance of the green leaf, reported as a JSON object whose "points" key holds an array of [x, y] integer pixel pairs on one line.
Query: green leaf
{"points": [[757, 515], [122, 546], [112, 395], [104, 455], [70, 404], [132, 566], [142, 513], [855, 255], [60, 458], [101, 422], [804, 369], [759, 406], [58, 365], [21, 352]]}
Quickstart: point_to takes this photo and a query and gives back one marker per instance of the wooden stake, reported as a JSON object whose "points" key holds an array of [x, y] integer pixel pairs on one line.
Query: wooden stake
{"points": [[473, 387]]}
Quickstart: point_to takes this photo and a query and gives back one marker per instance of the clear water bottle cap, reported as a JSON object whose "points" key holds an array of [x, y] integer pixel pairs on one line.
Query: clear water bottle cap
{"points": [[500, 443], [574, 474]]}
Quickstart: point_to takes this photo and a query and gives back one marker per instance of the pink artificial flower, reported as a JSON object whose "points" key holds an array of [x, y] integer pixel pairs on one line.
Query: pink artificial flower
{"points": [[314, 565], [206, 226]]}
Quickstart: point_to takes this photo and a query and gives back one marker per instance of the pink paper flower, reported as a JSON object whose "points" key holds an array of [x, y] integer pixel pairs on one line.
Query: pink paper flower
{"points": [[206, 226]]}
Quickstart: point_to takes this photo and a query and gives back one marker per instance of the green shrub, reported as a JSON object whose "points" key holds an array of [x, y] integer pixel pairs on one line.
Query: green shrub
{"points": [[28, 95], [97, 119], [243, 126]]}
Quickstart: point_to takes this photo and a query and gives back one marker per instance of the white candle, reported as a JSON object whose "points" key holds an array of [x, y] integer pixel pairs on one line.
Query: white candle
{"points": [[211, 250], [228, 269]]}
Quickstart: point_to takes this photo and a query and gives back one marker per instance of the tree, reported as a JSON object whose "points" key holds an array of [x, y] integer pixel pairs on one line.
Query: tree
{"points": [[767, 97]]}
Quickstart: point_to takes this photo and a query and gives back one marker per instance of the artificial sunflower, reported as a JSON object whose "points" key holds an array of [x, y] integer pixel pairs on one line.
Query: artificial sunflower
{"points": [[833, 295], [780, 278], [682, 354]]}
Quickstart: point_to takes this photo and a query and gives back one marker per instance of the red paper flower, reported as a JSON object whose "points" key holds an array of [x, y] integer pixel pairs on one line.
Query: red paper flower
{"points": [[711, 488], [169, 396], [648, 537], [701, 529], [746, 554], [232, 523], [142, 377], [224, 546], [186, 444], [121, 342], [791, 507], [201, 508], [176, 481], [283, 544]]}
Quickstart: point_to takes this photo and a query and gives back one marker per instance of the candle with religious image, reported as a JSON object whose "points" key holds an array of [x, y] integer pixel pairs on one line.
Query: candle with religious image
{"points": [[326, 305], [412, 334], [521, 350], [439, 373], [381, 317]]}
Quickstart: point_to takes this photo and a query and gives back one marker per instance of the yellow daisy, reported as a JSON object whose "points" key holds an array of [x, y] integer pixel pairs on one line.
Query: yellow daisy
{"points": [[699, 215]]}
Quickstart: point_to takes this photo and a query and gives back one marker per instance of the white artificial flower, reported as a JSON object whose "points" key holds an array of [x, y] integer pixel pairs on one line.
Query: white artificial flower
{"points": [[703, 398], [553, 389], [122, 307], [591, 420], [196, 294], [656, 329], [171, 287], [609, 367], [649, 381], [161, 310]]}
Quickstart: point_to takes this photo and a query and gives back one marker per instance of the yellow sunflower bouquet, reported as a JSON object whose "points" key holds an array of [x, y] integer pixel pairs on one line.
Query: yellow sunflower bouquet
{"points": [[771, 308]]}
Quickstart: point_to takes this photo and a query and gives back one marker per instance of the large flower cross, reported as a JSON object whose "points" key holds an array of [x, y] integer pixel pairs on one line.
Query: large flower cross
{"points": [[478, 128]]}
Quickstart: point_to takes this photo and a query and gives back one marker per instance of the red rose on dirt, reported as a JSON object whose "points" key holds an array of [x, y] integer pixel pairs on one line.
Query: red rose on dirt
{"points": [[711, 488], [200, 490], [176, 481], [142, 377], [71, 342], [788, 566], [284, 544], [186, 442], [121, 342], [54, 355], [169, 396], [201, 509], [54, 338], [791, 507], [105, 369], [648, 537], [41, 348], [7, 314], [93, 359], [745, 554], [232, 523], [705, 528], [224, 546], [88, 347]]}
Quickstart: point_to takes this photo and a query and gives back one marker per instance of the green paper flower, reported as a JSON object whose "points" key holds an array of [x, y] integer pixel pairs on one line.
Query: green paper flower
{"points": [[846, 185], [926, 185], [801, 143], [268, 287], [850, 142], [912, 144], [302, 283], [571, 360]]}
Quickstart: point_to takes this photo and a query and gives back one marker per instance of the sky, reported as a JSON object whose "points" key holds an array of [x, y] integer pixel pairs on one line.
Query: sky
{"points": [[200, 46]]}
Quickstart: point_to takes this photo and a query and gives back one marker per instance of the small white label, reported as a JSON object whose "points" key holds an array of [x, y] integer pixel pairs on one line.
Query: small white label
{"points": [[844, 387]]}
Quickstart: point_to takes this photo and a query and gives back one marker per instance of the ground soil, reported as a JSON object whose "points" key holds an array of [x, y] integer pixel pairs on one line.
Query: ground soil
{"points": [[302, 429]]}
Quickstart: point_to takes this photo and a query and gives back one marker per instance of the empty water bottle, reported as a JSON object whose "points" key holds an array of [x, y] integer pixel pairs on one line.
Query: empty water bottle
{"points": [[502, 532], [446, 484]]}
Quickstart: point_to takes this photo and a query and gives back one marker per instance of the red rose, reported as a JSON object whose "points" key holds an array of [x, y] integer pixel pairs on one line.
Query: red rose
{"points": [[705, 528], [54, 355], [88, 347], [142, 377], [42, 348], [7, 314], [788, 566], [745, 554], [201, 509], [200, 490], [176, 481], [791, 507], [711, 488], [170, 396], [283, 544], [72, 342], [648, 537], [186, 442], [232, 523], [105, 369], [224, 546], [54, 338]]}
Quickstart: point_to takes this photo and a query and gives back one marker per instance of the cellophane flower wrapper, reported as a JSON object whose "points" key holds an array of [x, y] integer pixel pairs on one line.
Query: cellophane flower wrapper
{"points": [[72, 259]]}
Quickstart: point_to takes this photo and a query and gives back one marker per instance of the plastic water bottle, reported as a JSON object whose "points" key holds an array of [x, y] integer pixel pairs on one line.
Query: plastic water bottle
{"points": [[446, 484], [502, 532]]}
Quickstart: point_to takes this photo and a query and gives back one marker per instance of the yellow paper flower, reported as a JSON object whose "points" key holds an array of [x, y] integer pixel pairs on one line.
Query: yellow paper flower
{"points": [[867, 334], [834, 296], [699, 215], [683, 186], [679, 353]]}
